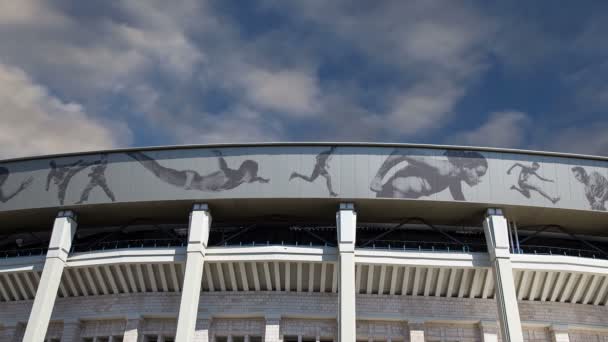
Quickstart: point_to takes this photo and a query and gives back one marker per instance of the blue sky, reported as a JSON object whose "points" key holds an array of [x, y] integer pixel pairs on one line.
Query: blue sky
{"points": [[85, 75]]}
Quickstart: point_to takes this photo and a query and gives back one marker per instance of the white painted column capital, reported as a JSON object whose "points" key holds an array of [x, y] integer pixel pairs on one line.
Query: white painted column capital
{"points": [[497, 240], [346, 221], [64, 228], [198, 236]]}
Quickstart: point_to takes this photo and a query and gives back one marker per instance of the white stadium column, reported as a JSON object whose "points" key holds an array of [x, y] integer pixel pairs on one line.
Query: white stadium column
{"points": [[489, 331], [346, 219], [559, 333], [497, 239], [56, 257], [416, 329], [272, 330], [198, 235], [202, 330], [132, 327]]}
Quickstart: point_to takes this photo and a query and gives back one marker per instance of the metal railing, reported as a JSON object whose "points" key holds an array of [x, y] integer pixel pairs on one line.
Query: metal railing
{"points": [[127, 244], [427, 246], [553, 250], [13, 253]]}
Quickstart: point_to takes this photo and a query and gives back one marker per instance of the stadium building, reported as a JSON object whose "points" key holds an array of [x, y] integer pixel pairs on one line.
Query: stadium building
{"points": [[304, 242]]}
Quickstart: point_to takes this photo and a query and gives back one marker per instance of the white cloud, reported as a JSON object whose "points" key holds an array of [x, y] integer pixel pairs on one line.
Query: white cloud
{"points": [[423, 107], [502, 129], [289, 92], [35, 122]]}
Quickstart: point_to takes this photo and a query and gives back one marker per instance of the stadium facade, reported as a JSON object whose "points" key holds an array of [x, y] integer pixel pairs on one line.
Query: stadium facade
{"points": [[304, 242]]}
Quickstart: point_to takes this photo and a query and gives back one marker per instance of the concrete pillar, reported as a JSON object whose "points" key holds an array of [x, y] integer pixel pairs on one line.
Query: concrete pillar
{"points": [[201, 334], [346, 220], [416, 329], [559, 333], [59, 247], [272, 331], [497, 239], [488, 331], [198, 235], [71, 331], [132, 329]]}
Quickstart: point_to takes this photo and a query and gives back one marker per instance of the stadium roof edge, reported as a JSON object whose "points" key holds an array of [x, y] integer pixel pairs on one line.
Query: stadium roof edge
{"points": [[325, 143]]}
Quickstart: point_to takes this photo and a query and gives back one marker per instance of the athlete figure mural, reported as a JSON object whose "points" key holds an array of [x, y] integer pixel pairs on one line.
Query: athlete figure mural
{"points": [[525, 184], [596, 187], [320, 169], [424, 176], [223, 179], [97, 177], [61, 175], [4, 173]]}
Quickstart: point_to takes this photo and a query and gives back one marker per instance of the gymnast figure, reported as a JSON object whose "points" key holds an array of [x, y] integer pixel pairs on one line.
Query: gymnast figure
{"points": [[4, 173], [61, 175], [97, 177], [424, 176], [525, 186], [596, 187], [223, 179], [320, 169]]}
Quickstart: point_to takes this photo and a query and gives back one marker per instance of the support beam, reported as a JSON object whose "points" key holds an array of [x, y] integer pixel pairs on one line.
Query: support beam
{"points": [[61, 241], [323, 272], [198, 236], [346, 220], [496, 232]]}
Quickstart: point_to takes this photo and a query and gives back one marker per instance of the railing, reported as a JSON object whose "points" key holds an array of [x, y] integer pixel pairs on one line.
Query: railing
{"points": [[13, 253], [552, 250], [128, 244], [427, 246]]}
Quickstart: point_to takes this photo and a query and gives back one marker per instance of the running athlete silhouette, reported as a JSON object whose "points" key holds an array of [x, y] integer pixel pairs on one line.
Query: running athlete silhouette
{"points": [[61, 175], [424, 176], [525, 186], [596, 187], [97, 177], [320, 169], [4, 173], [224, 179]]}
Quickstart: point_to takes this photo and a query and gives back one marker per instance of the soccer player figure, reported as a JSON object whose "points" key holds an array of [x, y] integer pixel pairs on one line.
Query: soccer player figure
{"points": [[223, 179], [596, 187], [320, 169], [424, 175], [97, 177], [61, 175], [525, 186], [4, 173]]}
